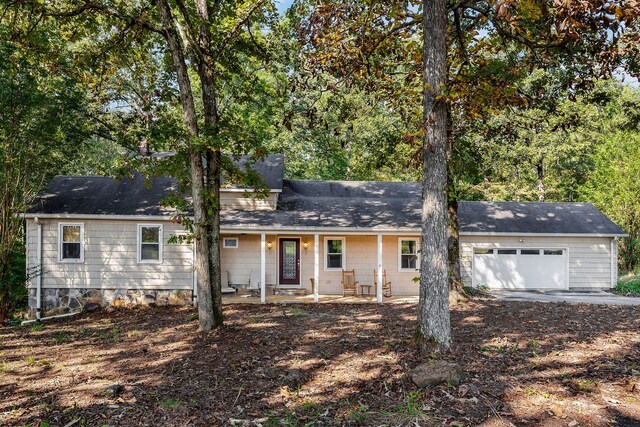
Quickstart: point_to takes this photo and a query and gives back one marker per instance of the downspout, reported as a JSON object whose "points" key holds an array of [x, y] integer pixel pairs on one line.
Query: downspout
{"points": [[614, 263], [38, 270], [194, 276]]}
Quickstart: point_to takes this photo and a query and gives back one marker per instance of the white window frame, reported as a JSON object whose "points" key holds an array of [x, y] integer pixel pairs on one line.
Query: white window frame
{"points": [[60, 237], [326, 253], [160, 244], [224, 242], [404, 239]]}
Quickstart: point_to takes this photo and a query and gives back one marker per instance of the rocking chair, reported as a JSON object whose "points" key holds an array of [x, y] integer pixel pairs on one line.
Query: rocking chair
{"points": [[386, 285], [349, 284]]}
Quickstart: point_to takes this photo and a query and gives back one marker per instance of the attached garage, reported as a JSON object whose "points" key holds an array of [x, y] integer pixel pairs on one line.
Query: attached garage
{"points": [[554, 246], [520, 268]]}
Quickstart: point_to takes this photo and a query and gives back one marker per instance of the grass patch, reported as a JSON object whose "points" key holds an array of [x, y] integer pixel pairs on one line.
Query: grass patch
{"points": [[169, 403], [61, 337], [478, 291], [628, 286], [586, 385], [287, 420], [295, 311], [115, 334], [36, 327], [411, 412], [5, 367]]}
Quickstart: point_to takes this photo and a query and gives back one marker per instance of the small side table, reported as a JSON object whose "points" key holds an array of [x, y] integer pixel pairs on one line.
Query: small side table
{"points": [[363, 287]]}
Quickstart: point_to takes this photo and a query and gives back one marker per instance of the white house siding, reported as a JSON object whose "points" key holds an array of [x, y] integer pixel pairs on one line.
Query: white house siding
{"points": [[241, 261], [589, 257], [361, 255], [402, 282], [237, 200], [110, 258]]}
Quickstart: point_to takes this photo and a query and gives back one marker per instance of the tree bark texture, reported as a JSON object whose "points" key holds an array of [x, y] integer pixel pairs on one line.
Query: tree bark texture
{"points": [[198, 189], [206, 72], [434, 330], [214, 238], [456, 289], [457, 294], [540, 173]]}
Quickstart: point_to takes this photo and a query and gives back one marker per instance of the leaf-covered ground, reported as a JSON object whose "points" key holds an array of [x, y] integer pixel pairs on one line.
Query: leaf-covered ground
{"points": [[526, 364]]}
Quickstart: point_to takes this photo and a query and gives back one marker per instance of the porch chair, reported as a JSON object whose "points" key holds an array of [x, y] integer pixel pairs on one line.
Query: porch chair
{"points": [[349, 284], [224, 279], [386, 285], [254, 284]]}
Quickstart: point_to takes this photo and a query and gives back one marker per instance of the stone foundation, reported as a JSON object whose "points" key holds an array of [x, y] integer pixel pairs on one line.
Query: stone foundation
{"points": [[62, 301], [290, 292]]}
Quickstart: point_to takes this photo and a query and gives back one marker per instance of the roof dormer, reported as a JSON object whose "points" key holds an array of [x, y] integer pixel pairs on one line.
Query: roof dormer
{"points": [[271, 169]]}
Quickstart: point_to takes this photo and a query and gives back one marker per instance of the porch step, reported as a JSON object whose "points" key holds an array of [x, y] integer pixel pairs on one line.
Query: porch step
{"points": [[290, 292]]}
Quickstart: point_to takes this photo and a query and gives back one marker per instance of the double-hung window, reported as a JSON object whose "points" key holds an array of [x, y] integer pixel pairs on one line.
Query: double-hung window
{"points": [[71, 242], [149, 243], [407, 254], [334, 259]]}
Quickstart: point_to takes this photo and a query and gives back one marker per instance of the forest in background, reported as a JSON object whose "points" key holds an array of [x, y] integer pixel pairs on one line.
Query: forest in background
{"points": [[83, 109]]}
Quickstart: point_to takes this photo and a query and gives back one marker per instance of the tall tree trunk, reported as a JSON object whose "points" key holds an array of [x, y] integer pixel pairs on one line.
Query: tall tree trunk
{"points": [[5, 304], [198, 189], [434, 329], [214, 238], [456, 288], [206, 72], [541, 190]]}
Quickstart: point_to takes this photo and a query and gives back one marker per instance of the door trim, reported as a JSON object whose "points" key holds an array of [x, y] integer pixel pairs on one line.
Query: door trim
{"points": [[286, 285]]}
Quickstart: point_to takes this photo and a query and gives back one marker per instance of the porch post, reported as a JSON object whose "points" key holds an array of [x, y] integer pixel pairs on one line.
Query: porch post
{"points": [[316, 267], [263, 263], [379, 288]]}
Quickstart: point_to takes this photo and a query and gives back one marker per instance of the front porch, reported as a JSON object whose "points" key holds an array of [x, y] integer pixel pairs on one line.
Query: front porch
{"points": [[322, 299], [287, 267]]}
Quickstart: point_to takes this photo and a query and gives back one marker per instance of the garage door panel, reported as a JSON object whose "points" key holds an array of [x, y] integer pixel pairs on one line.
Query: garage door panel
{"points": [[497, 270], [522, 268]]}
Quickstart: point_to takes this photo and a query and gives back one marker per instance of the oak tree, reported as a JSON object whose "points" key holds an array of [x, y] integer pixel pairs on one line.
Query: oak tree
{"points": [[489, 47]]}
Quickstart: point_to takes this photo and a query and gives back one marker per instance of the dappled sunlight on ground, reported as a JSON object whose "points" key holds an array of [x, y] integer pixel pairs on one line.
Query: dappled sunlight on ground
{"points": [[340, 364]]}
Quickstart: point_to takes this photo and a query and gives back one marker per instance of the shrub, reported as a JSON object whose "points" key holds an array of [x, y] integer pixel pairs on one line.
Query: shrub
{"points": [[629, 286]]}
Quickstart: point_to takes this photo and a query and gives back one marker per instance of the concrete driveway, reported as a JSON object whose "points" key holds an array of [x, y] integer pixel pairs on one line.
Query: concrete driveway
{"points": [[572, 297]]}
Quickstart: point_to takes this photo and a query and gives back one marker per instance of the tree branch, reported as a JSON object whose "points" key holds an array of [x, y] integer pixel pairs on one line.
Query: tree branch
{"points": [[220, 48]]}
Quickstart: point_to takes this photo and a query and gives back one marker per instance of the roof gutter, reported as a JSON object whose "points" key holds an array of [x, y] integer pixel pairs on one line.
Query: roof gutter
{"points": [[100, 216], [323, 230], [515, 234]]}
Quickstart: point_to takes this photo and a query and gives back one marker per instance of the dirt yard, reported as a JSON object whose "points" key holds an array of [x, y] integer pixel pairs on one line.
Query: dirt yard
{"points": [[529, 364]]}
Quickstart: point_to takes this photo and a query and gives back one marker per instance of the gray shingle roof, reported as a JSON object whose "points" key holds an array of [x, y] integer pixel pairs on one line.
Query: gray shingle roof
{"points": [[543, 218], [383, 205], [271, 169], [328, 204], [97, 195]]}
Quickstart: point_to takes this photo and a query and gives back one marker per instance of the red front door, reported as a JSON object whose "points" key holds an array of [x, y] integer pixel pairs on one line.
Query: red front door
{"points": [[289, 261]]}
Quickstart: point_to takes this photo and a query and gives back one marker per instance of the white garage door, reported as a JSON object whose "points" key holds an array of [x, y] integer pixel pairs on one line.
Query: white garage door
{"points": [[520, 268]]}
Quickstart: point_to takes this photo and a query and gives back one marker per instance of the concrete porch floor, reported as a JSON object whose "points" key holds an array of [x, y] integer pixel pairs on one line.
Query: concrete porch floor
{"points": [[323, 299]]}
